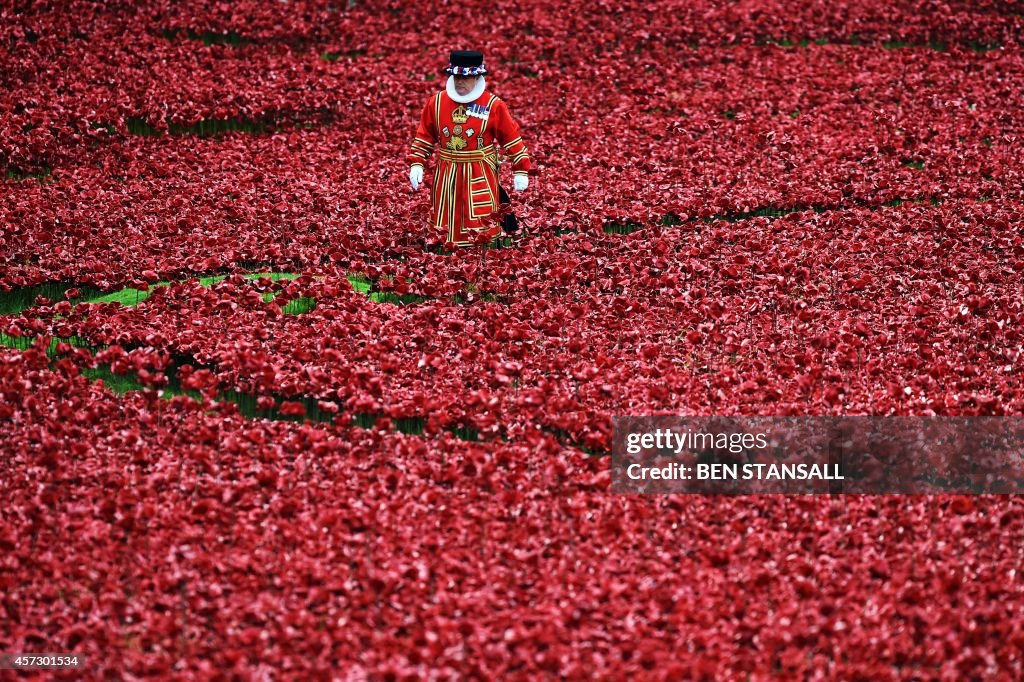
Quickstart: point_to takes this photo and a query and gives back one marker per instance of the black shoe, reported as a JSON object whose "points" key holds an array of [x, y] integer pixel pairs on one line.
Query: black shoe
{"points": [[510, 224]]}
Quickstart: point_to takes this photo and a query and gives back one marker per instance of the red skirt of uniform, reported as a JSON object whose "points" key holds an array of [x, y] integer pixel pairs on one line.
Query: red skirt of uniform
{"points": [[465, 196]]}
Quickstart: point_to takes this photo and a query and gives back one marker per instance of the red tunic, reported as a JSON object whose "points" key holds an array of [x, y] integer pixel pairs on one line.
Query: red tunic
{"points": [[465, 191]]}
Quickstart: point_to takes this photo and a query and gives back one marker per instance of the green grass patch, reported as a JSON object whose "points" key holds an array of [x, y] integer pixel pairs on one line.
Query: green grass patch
{"points": [[936, 45], [207, 37], [210, 38], [397, 299], [130, 296], [139, 126], [203, 128], [899, 201], [117, 383], [473, 290], [789, 42], [364, 420], [17, 300], [503, 242], [19, 175], [413, 426], [467, 433], [566, 437], [18, 342], [765, 212], [25, 342], [627, 227], [359, 282], [14, 301], [335, 56], [299, 306], [982, 48], [106, 127], [248, 406]]}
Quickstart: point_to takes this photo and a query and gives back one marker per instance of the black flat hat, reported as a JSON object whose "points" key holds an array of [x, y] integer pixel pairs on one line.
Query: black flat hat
{"points": [[466, 63]]}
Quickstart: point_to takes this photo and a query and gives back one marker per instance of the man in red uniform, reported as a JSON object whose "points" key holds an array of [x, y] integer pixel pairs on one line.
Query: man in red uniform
{"points": [[465, 122]]}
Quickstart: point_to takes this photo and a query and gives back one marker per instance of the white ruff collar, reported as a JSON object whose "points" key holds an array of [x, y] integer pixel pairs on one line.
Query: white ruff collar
{"points": [[477, 90]]}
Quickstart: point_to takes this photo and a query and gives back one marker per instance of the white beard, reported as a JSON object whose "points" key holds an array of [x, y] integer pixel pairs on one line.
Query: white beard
{"points": [[477, 90]]}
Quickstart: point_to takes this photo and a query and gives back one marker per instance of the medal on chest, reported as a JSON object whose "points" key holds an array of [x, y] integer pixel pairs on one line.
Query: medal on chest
{"points": [[457, 141], [478, 111], [457, 134]]}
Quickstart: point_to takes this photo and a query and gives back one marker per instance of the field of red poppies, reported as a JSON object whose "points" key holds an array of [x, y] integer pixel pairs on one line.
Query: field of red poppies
{"points": [[258, 423]]}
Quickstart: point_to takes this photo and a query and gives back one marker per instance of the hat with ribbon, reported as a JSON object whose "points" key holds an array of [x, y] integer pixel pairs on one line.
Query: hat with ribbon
{"points": [[466, 63]]}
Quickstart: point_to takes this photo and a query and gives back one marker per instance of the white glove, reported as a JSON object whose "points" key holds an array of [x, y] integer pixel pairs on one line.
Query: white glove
{"points": [[520, 182], [416, 177]]}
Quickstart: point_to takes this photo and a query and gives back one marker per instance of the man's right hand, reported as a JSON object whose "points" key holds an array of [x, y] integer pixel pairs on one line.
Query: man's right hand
{"points": [[416, 177]]}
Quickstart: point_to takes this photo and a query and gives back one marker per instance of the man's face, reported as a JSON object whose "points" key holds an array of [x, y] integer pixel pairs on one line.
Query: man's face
{"points": [[464, 84]]}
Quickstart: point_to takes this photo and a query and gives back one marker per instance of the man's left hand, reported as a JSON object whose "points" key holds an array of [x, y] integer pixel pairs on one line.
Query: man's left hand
{"points": [[520, 182]]}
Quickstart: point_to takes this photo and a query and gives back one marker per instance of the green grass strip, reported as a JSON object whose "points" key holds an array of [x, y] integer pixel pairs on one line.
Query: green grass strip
{"points": [[413, 426], [131, 297], [25, 342], [335, 56], [13, 302], [128, 297], [115, 382], [360, 283], [621, 228], [17, 300], [247, 403], [17, 342], [299, 306], [397, 299], [18, 175], [204, 128]]}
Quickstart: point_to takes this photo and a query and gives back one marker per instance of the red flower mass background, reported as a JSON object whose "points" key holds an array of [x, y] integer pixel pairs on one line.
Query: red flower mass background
{"points": [[390, 460]]}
